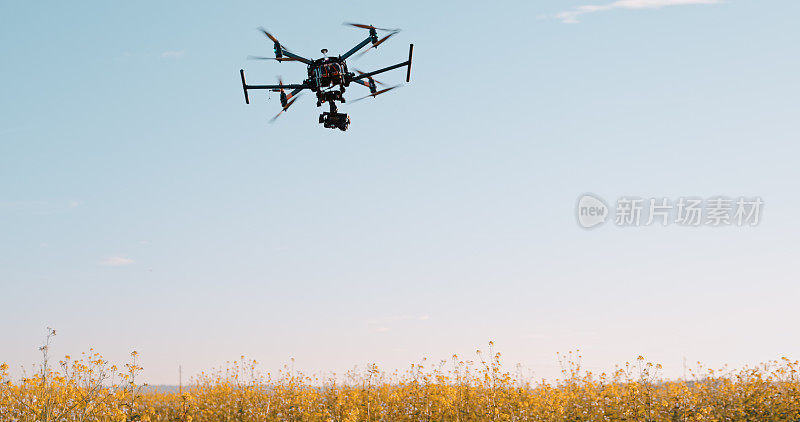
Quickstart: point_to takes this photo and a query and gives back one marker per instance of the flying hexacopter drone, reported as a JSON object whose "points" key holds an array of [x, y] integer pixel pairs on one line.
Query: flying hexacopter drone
{"points": [[325, 74]]}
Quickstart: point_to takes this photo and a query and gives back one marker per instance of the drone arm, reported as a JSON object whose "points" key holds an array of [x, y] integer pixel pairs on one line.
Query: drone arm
{"points": [[296, 87], [277, 87], [296, 57], [386, 69], [356, 48]]}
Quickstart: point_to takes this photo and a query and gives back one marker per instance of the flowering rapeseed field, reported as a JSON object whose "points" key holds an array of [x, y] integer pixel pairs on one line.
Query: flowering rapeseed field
{"points": [[90, 389]]}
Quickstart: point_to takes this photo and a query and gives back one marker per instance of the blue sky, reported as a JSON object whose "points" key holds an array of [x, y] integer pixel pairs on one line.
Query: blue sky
{"points": [[144, 205]]}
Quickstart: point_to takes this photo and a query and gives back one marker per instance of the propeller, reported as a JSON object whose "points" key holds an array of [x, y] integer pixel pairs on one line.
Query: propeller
{"points": [[278, 46], [361, 25], [290, 95], [270, 36], [284, 98], [289, 104], [370, 77], [280, 59], [376, 93], [380, 41]]}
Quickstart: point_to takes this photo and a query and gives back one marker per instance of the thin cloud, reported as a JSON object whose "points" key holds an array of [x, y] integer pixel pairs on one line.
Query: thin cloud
{"points": [[117, 261], [572, 16]]}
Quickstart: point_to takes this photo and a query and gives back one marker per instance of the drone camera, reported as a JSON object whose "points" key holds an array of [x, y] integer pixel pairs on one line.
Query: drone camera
{"points": [[334, 120]]}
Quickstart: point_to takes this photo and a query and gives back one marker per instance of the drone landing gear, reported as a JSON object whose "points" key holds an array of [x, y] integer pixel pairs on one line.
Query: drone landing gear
{"points": [[333, 120]]}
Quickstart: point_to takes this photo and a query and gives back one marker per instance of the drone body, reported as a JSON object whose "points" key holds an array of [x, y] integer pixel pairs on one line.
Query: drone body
{"points": [[328, 77]]}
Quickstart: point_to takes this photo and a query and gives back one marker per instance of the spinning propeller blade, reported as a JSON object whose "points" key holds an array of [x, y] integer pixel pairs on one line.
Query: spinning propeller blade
{"points": [[383, 39], [278, 46], [361, 25], [376, 81], [380, 41], [281, 59], [376, 93], [270, 36], [289, 104]]}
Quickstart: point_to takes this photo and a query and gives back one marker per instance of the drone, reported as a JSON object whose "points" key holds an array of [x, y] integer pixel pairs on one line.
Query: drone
{"points": [[328, 76]]}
